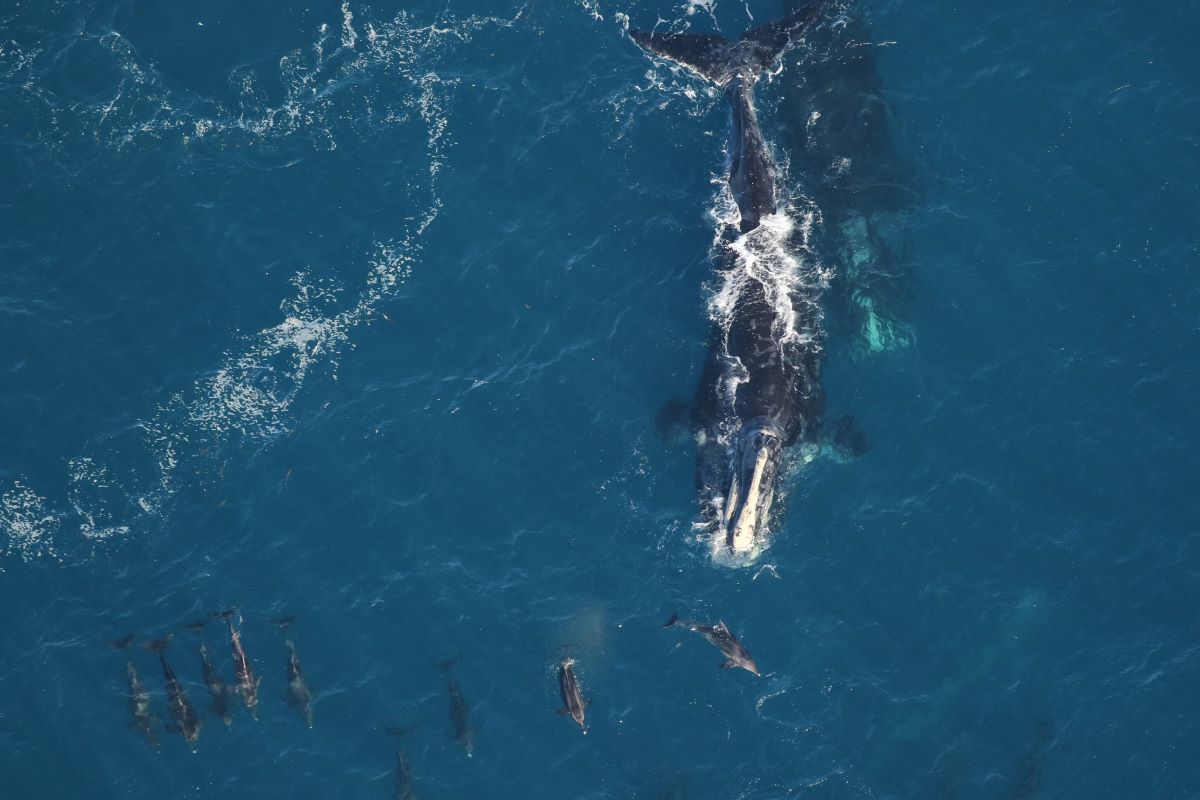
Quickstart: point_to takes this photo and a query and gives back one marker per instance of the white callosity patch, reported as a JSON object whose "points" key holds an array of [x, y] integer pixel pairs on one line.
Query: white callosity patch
{"points": [[251, 393]]}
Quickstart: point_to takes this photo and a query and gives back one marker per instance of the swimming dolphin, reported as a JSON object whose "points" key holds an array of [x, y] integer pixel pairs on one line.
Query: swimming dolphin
{"points": [[719, 635], [760, 392], [216, 687], [139, 697], [404, 790], [247, 685], [186, 721], [299, 695], [460, 711], [574, 706], [139, 705]]}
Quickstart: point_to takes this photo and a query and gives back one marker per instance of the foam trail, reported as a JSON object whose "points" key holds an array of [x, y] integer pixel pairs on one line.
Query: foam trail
{"points": [[28, 523], [250, 395]]}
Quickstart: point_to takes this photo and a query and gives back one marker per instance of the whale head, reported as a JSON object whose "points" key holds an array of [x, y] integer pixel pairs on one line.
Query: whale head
{"points": [[755, 465]]}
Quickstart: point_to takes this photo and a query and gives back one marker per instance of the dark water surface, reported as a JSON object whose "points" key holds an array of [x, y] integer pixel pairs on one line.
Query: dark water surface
{"points": [[364, 313]]}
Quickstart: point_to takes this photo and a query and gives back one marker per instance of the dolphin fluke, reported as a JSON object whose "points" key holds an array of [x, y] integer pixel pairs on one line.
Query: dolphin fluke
{"points": [[718, 59], [158, 645], [283, 623], [396, 731], [447, 664]]}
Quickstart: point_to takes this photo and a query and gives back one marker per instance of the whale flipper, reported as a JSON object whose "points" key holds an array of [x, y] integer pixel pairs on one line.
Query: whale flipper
{"points": [[673, 422], [844, 440], [717, 58]]}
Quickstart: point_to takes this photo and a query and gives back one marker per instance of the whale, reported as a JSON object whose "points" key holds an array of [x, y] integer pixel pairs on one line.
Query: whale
{"points": [[760, 391]]}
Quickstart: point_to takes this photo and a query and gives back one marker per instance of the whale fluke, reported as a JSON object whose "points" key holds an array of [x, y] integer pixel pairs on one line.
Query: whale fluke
{"points": [[717, 58], [703, 53]]}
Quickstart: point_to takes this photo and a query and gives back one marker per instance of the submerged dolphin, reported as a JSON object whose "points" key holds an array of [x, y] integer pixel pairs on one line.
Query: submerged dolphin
{"points": [[574, 706], [247, 685], [139, 705], [404, 789], [719, 635], [186, 721], [139, 697], [760, 391], [216, 687], [299, 695], [460, 710]]}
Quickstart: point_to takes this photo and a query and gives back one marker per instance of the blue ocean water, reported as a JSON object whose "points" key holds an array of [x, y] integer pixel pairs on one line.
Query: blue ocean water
{"points": [[365, 312]]}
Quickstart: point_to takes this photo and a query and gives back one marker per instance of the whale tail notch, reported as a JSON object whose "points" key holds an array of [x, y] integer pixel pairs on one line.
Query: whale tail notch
{"points": [[716, 58]]}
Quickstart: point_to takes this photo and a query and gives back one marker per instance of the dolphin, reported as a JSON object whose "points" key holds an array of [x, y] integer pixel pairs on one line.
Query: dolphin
{"points": [[139, 705], [760, 392], [719, 635], [139, 697], [404, 790], [247, 685], [460, 711], [299, 695], [574, 706], [216, 687], [186, 721]]}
